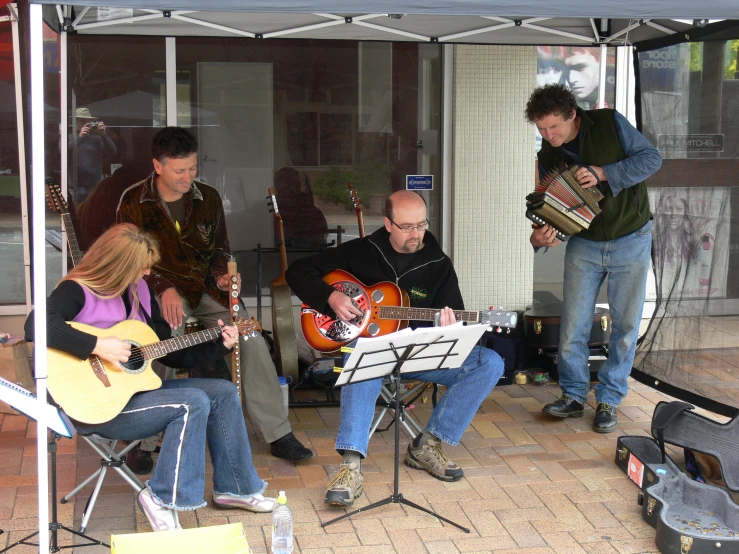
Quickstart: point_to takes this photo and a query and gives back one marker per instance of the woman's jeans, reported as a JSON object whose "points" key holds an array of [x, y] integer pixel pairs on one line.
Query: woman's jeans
{"points": [[625, 261], [467, 386], [190, 410]]}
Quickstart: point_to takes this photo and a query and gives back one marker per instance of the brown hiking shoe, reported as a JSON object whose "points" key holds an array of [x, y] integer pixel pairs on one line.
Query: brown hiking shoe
{"points": [[346, 486], [431, 457]]}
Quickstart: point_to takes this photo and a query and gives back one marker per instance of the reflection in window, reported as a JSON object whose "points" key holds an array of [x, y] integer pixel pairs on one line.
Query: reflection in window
{"points": [[118, 81]]}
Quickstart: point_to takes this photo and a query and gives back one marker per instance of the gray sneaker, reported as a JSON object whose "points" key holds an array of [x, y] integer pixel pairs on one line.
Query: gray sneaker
{"points": [[346, 486], [432, 458]]}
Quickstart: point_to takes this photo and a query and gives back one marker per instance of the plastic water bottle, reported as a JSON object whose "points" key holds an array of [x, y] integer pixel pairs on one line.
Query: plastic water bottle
{"points": [[285, 386], [282, 526]]}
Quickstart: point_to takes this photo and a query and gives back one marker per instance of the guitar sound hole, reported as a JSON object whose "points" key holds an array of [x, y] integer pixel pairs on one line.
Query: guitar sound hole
{"points": [[136, 362]]}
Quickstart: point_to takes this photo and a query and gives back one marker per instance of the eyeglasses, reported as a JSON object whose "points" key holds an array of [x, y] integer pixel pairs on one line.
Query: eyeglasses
{"points": [[410, 228]]}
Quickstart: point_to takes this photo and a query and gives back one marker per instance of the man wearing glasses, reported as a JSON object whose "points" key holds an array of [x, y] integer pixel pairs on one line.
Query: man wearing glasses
{"points": [[405, 253]]}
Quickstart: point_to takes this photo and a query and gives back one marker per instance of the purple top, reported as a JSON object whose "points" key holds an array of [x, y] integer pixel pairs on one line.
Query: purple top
{"points": [[106, 312]]}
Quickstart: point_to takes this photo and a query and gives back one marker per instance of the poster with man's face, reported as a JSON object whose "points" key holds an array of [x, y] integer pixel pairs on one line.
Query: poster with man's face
{"points": [[579, 69]]}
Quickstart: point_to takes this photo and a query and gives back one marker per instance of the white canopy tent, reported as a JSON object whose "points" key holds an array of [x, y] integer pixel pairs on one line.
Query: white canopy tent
{"points": [[473, 23], [572, 22]]}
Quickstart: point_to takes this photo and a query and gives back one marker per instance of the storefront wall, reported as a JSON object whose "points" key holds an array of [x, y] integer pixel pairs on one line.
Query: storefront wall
{"points": [[493, 168]]}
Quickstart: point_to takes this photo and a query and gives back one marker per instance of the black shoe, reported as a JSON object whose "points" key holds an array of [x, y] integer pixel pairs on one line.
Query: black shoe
{"points": [[566, 406], [289, 448], [139, 461], [606, 418]]}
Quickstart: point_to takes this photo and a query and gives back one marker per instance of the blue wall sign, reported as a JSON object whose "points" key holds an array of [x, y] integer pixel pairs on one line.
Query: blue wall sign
{"points": [[419, 182]]}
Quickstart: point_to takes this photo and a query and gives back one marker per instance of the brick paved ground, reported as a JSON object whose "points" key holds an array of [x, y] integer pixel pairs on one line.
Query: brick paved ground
{"points": [[532, 485]]}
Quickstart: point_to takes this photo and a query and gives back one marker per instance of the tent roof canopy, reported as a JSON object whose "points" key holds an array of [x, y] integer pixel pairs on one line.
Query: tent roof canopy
{"points": [[473, 21], [611, 9]]}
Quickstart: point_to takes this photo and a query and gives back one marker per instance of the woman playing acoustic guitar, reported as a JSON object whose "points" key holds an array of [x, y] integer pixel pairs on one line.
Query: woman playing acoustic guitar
{"points": [[107, 287]]}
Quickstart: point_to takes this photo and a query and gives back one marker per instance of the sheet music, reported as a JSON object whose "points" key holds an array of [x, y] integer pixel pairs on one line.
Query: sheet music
{"points": [[436, 348], [26, 402]]}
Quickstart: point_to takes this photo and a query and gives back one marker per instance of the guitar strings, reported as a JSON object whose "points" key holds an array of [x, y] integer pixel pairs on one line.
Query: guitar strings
{"points": [[136, 358]]}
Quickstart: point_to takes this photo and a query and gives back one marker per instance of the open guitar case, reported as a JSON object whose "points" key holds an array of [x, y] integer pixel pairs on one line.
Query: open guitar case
{"points": [[689, 516]]}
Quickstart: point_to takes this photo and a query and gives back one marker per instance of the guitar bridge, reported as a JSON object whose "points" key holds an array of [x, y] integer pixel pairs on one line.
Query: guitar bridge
{"points": [[99, 370]]}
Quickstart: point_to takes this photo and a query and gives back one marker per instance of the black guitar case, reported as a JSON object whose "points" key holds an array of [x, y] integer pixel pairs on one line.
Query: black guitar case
{"points": [[690, 517], [542, 323]]}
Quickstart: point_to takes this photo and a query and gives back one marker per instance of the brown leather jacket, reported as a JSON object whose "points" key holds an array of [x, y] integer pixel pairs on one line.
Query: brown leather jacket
{"points": [[193, 259]]}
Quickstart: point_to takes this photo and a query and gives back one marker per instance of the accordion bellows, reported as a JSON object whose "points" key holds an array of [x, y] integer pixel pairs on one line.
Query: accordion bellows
{"points": [[561, 202]]}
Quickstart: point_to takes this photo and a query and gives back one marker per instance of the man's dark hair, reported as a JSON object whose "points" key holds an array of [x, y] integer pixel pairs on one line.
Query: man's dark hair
{"points": [[173, 142], [550, 100]]}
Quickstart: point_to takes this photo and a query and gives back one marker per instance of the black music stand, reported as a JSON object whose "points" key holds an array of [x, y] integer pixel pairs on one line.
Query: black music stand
{"points": [[424, 347]]}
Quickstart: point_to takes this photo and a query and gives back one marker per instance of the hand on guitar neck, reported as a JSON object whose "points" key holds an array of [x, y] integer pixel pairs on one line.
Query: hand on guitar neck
{"points": [[114, 350]]}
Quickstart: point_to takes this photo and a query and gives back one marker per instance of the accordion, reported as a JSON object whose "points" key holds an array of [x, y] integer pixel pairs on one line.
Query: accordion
{"points": [[561, 202]]}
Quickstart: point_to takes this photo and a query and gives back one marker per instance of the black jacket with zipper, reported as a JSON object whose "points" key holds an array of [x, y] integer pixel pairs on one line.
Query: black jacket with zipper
{"points": [[430, 280]]}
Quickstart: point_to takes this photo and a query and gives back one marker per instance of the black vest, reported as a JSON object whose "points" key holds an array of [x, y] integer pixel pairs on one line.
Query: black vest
{"points": [[599, 145]]}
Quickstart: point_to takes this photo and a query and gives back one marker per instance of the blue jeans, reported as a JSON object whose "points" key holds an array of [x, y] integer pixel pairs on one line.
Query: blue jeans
{"points": [[625, 261], [190, 410], [467, 386]]}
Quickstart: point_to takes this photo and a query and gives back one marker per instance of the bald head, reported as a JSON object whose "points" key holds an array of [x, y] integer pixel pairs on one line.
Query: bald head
{"points": [[403, 199], [405, 220]]}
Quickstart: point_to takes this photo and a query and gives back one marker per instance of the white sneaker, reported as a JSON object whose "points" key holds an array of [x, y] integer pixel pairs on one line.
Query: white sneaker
{"points": [[253, 503], [160, 518]]}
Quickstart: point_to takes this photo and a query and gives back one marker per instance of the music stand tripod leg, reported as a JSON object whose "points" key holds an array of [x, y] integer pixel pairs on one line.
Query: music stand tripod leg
{"points": [[396, 497], [54, 525]]}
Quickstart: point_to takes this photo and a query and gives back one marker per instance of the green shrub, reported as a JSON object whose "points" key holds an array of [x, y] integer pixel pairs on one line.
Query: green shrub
{"points": [[368, 179]]}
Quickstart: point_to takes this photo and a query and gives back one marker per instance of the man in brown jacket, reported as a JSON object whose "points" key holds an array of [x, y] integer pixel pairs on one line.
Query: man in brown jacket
{"points": [[186, 217]]}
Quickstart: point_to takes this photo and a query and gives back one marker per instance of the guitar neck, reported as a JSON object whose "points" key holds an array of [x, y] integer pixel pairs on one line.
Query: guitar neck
{"points": [[360, 222], [162, 348], [423, 314], [74, 247]]}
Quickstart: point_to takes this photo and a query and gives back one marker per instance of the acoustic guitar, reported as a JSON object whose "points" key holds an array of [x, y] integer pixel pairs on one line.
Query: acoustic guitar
{"points": [[357, 208], [95, 391], [57, 203], [386, 308], [286, 345]]}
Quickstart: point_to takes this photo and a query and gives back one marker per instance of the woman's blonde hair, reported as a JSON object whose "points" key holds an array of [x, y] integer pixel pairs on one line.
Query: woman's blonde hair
{"points": [[115, 261]]}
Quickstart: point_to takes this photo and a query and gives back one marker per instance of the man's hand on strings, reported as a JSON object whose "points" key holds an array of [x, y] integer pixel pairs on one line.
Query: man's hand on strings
{"points": [[585, 177], [446, 316], [229, 333], [343, 306], [542, 236], [113, 350]]}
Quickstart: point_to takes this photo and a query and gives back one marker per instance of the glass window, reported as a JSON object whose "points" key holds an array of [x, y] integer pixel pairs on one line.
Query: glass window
{"points": [[690, 111], [117, 102], [12, 290], [308, 117]]}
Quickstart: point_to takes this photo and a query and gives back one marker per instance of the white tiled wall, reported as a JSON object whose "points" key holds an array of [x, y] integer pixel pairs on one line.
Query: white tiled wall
{"points": [[493, 171]]}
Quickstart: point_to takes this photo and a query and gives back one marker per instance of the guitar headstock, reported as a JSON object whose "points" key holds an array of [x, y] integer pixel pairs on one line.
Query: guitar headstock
{"points": [[272, 203], [501, 318], [55, 198], [353, 194], [248, 326]]}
